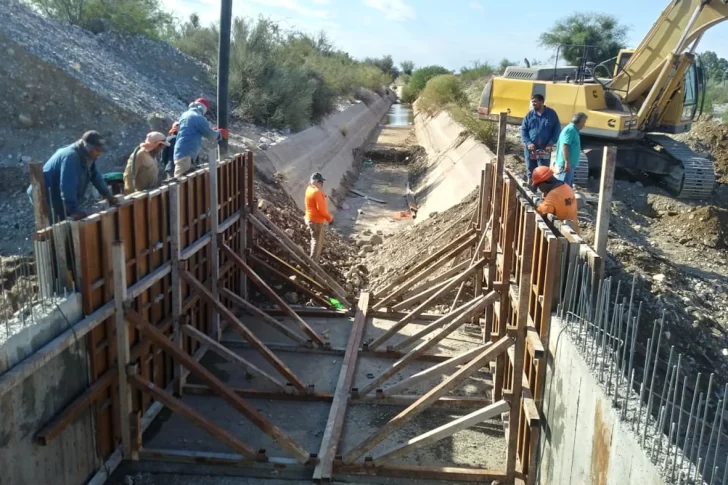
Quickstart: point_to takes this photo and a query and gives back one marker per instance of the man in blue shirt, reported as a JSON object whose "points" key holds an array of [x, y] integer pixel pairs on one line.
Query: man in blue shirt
{"points": [[193, 126], [568, 149], [539, 131], [67, 175]]}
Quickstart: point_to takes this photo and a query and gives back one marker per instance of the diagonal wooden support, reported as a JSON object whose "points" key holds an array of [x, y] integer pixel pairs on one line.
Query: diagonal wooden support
{"points": [[428, 399], [476, 254], [285, 241], [408, 291], [439, 323], [443, 255], [477, 305], [258, 281], [251, 309], [425, 305], [231, 356], [337, 413], [243, 331], [436, 370], [193, 416], [285, 279], [303, 276], [223, 390], [444, 431], [424, 295]]}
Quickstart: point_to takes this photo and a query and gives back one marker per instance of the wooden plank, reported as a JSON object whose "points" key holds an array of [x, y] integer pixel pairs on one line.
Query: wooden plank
{"points": [[337, 412], [425, 401], [475, 305], [202, 390], [435, 371], [230, 356], [258, 281], [442, 432], [408, 399], [409, 472], [362, 194], [62, 246], [221, 388], [257, 312], [214, 250], [604, 210], [425, 294], [444, 254], [122, 348], [298, 286], [405, 290], [41, 209], [244, 331], [175, 242], [293, 269], [193, 416], [425, 305]]}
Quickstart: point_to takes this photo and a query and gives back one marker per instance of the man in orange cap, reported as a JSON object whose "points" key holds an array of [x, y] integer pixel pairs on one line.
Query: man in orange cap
{"points": [[141, 171], [558, 199]]}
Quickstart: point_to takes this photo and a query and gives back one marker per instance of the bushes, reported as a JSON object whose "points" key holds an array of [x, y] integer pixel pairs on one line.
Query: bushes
{"points": [[418, 81], [281, 79], [441, 92]]}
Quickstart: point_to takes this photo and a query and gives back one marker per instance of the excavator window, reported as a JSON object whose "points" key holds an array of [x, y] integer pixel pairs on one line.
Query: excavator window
{"points": [[692, 91]]}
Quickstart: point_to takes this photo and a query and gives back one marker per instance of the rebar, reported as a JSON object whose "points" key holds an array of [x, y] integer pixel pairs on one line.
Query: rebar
{"points": [[694, 441], [650, 393], [690, 421], [679, 423], [674, 396], [627, 394], [667, 452], [705, 413], [668, 381], [720, 431], [642, 384], [660, 417], [618, 349], [712, 432]]}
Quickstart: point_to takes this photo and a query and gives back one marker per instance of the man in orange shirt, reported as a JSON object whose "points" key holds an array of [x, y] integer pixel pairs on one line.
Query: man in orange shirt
{"points": [[559, 197], [316, 214]]}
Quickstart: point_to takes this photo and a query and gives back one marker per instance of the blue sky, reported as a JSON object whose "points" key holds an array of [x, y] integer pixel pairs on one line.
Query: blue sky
{"points": [[452, 33]]}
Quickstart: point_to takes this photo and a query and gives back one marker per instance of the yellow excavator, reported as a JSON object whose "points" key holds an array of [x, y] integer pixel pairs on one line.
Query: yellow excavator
{"points": [[633, 101]]}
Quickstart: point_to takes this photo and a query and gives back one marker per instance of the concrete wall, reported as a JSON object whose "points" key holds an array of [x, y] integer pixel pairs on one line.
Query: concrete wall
{"points": [[324, 148], [69, 459], [454, 163], [583, 441]]}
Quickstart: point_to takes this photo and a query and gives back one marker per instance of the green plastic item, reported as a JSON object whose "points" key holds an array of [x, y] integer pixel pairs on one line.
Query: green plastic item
{"points": [[368, 163], [336, 303], [114, 177]]}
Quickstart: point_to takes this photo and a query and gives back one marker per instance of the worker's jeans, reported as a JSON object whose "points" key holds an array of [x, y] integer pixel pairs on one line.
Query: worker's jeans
{"points": [[182, 166], [316, 230], [532, 164]]}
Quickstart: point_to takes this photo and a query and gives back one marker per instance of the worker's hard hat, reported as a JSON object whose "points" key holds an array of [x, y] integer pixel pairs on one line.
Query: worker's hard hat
{"points": [[317, 177], [541, 174]]}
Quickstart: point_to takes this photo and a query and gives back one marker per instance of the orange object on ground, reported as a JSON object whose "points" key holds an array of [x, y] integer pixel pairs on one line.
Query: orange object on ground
{"points": [[316, 210], [561, 203]]}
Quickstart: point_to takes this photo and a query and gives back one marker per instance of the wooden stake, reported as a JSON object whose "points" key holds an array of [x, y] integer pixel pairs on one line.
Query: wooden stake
{"points": [[406, 292], [475, 305], [214, 250], [193, 416], [298, 273], [257, 312], [231, 356], [219, 387], [604, 210], [442, 432], [175, 248], [428, 399], [425, 305], [122, 347], [285, 279], [244, 331], [424, 295], [258, 281], [41, 210], [337, 412]]}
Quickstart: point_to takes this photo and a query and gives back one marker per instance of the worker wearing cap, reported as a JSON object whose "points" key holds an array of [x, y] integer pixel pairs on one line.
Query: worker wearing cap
{"points": [[168, 151], [559, 198], [193, 126], [141, 171], [67, 174], [316, 214]]}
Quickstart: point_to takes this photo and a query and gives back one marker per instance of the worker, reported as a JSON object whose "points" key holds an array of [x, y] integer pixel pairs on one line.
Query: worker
{"points": [[568, 149], [193, 126], [141, 171], [66, 176], [168, 150], [316, 214], [539, 132], [559, 198]]}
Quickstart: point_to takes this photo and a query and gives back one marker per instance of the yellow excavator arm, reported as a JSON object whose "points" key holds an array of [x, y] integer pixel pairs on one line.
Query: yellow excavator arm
{"points": [[652, 75]]}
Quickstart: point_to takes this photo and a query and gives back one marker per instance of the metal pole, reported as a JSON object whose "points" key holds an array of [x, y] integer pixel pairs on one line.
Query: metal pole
{"points": [[609, 161], [223, 70]]}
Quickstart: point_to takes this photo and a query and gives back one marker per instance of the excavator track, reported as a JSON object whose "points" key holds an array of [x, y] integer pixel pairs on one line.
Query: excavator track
{"points": [[695, 178]]}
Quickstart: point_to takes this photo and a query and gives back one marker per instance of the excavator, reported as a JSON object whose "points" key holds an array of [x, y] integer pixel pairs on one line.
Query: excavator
{"points": [[634, 101]]}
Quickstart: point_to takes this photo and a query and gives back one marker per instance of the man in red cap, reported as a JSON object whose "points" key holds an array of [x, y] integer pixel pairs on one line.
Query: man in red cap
{"points": [[558, 199], [193, 126]]}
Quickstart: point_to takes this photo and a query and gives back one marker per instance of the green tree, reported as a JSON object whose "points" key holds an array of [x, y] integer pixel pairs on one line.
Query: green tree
{"points": [[505, 63], [145, 17], [407, 67], [418, 81], [716, 68], [385, 64], [603, 32]]}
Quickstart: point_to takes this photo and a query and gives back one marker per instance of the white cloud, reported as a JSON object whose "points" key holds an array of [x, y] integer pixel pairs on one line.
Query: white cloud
{"points": [[393, 9], [475, 5], [321, 2], [295, 6]]}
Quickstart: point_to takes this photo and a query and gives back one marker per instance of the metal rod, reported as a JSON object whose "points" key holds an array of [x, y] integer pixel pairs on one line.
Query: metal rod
{"points": [[694, 441], [668, 379], [677, 381], [679, 422], [642, 385], [712, 432], [705, 414], [627, 394], [652, 379], [690, 421], [667, 452]]}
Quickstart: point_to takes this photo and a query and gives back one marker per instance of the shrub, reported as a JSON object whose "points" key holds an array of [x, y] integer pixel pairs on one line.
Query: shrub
{"points": [[441, 92], [482, 130], [478, 72]]}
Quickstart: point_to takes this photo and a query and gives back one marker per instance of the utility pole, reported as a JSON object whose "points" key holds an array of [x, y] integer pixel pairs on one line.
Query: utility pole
{"points": [[223, 69], [606, 186]]}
